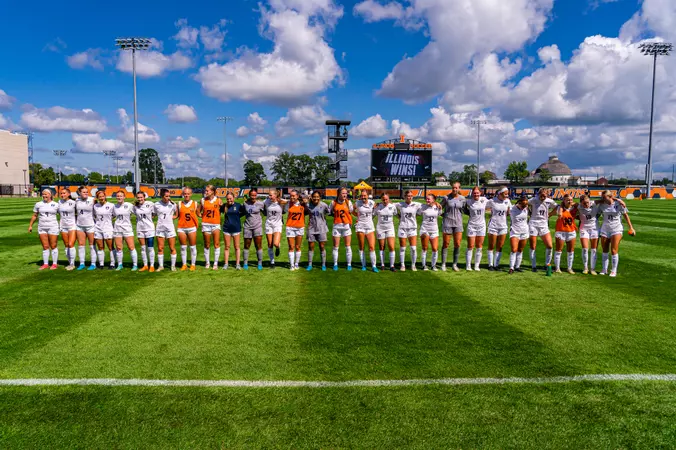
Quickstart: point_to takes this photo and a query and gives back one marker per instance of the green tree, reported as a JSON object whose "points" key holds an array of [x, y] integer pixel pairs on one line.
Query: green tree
{"points": [[455, 177], [282, 168], [95, 177], [516, 171], [254, 173], [42, 175], [76, 178], [303, 170], [151, 167], [469, 174], [322, 172], [545, 175], [487, 176]]}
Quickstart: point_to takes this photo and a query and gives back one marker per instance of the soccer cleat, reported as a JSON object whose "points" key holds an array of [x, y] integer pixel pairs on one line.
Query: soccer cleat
{"points": [[54, 267], [80, 267], [585, 272], [119, 267], [477, 269], [143, 269], [184, 267], [44, 266], [425, 269], [207, 266], [70, 267], [392, 269], [159, 269], [363, 268], [173, 268], [382, 267], [603, 272], [456, 268], [375, 269], [534, 269], [413, 268], [92, 267], [558, 270], [434, 269], [323, 268], [443, 267], [612, 274], [309, 267], [496, 269], [349, 268], [276, 251], [192, 268], [593, 272], [335, 267], [292, 268], [402, 268], [571, 271], [519, 269], [490, 268], [111, 267], [272, 265], [245, 266], [215, 266], [225, 267], [238, 267], [511, 271], [152, 269], [134, 268], [260, 266], [469, 269]]}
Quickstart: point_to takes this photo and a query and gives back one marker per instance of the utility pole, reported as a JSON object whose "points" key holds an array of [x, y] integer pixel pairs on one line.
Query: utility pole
{"points": [[225, 120], [59, 154], [478, 124]]}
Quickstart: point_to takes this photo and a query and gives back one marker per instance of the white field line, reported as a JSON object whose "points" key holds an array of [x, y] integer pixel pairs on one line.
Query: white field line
{"points": [[328, 384]]}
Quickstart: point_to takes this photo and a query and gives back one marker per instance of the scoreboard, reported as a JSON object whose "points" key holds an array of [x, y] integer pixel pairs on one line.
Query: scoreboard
{"points": [[401, 161]]}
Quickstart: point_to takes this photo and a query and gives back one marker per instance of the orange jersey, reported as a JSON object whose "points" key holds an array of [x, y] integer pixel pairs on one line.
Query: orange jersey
{"points": [[296, 216], [566, 222], [187, 215], [211, 211], [342, 213]]}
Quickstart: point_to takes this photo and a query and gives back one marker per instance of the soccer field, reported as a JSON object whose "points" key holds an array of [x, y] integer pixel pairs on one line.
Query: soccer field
{"points": [[504, 340]]}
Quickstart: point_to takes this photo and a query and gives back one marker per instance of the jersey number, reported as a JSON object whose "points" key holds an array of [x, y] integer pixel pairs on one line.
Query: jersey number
{"points": [[542, 213], [296, 216], [210, 214], [408, 216], [188, 218]]}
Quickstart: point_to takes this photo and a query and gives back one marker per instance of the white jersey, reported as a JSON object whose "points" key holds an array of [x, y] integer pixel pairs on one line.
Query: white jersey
{"points": [[144, 217], [67, 214], [519, 219], [85, 212], [612, 216], [122, 215], [430, 218], [385, 215], [477, 212], [499, 211], [588, 216], [165, 215], [46, 214], [365, 213], [407, 213], [540, 210], [273, 213], [103, 215]]}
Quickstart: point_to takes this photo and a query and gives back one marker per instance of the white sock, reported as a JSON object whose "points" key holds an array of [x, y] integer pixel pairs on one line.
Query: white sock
{"points": [[616, 261], [468, 257], [557, 260], [548, 256], [310, 255], [298, 254], [160, 260], [435, 255], [206, 256], [477, 257], [374, 261], [144, 256], [519, 259], [533, 263], [382, 258], [423, 258], [402, 255], [45, 257], [512, 260], [392, 253], [71, 256], [134, 257], [119, 256], [490, 258], [292, 263], [271, 254], [585, 258], [324, 257], [217, 255], [246, 257], [361, 258], [92, 254], [414, 255], [101, 257], [571, 258], [81, 254], [259, 255], [604, 259], [184, 254], [173, 260], [335, 256], [112, 257], [348, 255], [444, 255], [151, 256], [593, 259], [193, 254], [496, 259]]}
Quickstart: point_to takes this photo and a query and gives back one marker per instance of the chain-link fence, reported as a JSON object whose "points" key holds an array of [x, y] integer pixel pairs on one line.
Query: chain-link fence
{"points": [[16, 190]]}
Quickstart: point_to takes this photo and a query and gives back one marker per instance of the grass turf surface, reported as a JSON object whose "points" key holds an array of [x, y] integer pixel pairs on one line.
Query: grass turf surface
{"points": [[282, 325]]}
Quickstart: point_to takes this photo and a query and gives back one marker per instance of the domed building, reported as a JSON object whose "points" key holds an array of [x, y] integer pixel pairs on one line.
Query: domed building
{"points": [[559, 172]]}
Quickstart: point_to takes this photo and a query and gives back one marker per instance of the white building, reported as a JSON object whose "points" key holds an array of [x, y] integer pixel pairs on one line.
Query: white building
{"points": [[14, 176], [559, 172]]}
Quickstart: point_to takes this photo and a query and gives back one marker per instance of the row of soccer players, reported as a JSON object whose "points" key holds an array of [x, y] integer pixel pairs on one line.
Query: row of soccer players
{"points": [[85, 220]]}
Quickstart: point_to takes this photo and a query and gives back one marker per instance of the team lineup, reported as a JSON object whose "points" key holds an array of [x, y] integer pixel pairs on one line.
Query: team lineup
{"points": [[103, 226]]}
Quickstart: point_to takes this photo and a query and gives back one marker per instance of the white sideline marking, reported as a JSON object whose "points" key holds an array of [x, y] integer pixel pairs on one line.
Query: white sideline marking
{"points": [[327, 384]]}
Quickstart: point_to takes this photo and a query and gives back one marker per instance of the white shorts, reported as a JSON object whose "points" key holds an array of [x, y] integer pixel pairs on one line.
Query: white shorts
{"points": [[474, 231], [52, 231], [87, 229], [123, 233], [341, 230], [497, 231], [166, 233], [431, 234], [565, 236], [384, 234], [225, 233], [365, 229], [103, 234], [209, 228], [610, 232], [145, 234], [404, 233], [538, 230], [592, 233], [520, 235], [187, 230], [271, 228], [292, 232], [69, 228]]}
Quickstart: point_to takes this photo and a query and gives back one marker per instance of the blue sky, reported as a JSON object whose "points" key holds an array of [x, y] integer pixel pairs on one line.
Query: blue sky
{"points": [[550, 76]]}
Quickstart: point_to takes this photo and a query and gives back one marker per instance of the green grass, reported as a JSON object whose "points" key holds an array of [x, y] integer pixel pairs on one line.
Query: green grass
{"points": [[282, 325]]}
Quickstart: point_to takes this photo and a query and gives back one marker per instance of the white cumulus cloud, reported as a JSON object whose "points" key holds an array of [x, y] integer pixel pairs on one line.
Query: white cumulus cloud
{"points": [[58, 118], [373, 127], [180, 113]]}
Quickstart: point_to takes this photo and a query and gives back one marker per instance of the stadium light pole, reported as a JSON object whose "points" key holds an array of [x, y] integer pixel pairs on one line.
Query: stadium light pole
{"points": [[653, 49], [478, 124], [59, 154], [134, 44], [225, 120], [117, 169], [110, 154]]}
